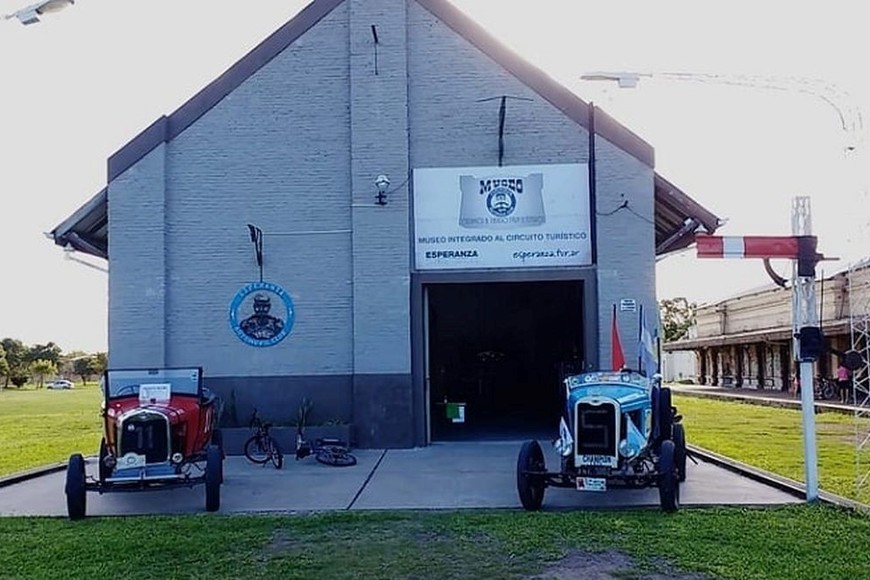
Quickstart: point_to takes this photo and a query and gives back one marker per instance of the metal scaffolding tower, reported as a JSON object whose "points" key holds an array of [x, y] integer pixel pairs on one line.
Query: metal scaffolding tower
{"points": [[859, 318]]}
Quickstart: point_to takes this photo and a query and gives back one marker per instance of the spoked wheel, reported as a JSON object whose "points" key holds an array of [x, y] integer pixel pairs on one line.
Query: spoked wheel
{"points": [[529, 486], [76, 493], [213, 476], [256, 450], [275, 453], [680, 450], [336, 456], [669, 481]]}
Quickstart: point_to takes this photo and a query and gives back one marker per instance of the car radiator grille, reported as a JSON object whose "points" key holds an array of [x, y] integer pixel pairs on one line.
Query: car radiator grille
{"points": [[146, 434], [596, 431]]}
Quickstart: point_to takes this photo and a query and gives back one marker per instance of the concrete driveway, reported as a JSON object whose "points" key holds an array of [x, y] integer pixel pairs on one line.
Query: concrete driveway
{"points": [[440, 476]]}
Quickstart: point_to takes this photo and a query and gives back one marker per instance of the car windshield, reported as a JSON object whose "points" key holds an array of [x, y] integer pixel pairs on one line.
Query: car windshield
{"points": [[123, 383]]}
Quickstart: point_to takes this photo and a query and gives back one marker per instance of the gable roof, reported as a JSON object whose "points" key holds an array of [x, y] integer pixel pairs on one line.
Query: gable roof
{"points": [[80, 232]]}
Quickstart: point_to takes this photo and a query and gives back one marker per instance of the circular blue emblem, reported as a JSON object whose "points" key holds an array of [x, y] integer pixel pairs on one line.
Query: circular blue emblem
{"points": [[262, 314], [501, 201]]}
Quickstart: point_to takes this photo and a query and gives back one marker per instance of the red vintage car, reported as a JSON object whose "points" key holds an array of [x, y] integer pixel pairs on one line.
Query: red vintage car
{"points": [[159, 431]]}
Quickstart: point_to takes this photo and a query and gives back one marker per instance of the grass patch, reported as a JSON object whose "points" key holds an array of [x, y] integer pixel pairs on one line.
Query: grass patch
{"points": [[784, 542], [40, 427], [771, 438]]}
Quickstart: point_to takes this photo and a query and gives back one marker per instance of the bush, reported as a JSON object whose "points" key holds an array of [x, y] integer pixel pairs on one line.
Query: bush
{"points": [[19, 380]]}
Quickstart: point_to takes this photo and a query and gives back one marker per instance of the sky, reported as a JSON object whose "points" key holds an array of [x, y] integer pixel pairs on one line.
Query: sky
{"points": [[77, 86]]}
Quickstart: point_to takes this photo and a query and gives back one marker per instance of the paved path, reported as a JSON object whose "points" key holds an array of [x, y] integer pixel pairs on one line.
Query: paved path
{"points": [[440, 476]]}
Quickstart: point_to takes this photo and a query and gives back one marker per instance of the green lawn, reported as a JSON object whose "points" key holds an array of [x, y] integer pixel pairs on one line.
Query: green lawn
{"points": [[771, 438], [793, 543], [40, 427]]}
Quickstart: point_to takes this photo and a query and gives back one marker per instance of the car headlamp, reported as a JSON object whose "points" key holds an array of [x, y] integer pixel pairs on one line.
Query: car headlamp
{"points": [[177, 458], [626, 449], [109, 461]]}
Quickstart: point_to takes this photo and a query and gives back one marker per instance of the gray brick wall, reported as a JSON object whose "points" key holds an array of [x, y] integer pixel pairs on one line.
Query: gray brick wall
{"points": [[626, 246], [274, 153], [449, 125], [137, 284], [379, 141]]}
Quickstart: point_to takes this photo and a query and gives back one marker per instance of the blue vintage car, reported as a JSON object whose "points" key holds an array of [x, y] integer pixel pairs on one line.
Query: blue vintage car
{"points": [[619, 430]]}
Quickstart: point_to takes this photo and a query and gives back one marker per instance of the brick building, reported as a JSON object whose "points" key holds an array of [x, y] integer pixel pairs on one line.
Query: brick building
{"points": [[513, 216]]}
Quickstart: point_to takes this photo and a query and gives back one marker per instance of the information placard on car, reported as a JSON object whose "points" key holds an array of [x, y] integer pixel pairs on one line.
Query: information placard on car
{"points": [[591, 484]]}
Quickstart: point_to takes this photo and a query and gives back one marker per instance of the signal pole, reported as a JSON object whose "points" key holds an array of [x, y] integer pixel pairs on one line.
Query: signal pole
{"points": [[807, 336], [808, 341]]}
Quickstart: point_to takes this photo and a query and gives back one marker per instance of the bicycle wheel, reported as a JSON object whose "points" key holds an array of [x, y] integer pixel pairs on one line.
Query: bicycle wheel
{"points": [[275, 453], [335, 456], [256, 450]]}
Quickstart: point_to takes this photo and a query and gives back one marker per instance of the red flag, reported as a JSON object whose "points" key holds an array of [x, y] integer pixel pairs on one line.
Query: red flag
{"points": [[616, 345]]}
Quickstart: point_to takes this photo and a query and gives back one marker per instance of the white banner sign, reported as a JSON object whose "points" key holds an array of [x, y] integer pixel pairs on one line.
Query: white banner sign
{"points": [[523, 216]]}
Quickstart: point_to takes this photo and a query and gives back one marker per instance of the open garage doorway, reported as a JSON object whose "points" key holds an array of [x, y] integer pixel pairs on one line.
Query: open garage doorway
{"points": [[497, 352]]}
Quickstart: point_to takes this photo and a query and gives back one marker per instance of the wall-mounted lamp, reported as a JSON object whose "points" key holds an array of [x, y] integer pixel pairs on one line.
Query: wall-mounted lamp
{"points": [[382, 183], [31, 14]]}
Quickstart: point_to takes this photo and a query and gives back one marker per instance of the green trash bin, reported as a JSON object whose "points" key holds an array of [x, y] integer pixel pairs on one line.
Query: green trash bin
{"points": [[456, 412]]}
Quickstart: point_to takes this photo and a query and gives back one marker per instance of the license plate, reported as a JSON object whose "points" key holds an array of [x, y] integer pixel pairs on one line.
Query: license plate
{"points": [[131, 460], [596, 460], [591, 484]]}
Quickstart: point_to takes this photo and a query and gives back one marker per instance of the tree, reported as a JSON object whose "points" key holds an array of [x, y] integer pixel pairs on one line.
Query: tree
{"points": [[40, 369], [678, 315], [101, 362], [50, 352], [15, 353], [85, 367]]}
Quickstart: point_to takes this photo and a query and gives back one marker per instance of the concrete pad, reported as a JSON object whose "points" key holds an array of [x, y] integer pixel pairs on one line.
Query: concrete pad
{"points": [[455, 475], [483, 474]]}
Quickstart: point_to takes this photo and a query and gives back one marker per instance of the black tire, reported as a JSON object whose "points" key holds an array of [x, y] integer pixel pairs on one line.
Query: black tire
{"points": [[669, 481], [104, 471], [335, 456], [275, 453], [76, 493], [665, 414], [530, 487], [213, 476], [217, 438], [680, 450], [256, 450], [829, 391]]}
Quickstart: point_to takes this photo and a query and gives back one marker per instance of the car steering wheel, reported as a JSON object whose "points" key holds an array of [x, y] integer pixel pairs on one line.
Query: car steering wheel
{"points": [[127, 390]]}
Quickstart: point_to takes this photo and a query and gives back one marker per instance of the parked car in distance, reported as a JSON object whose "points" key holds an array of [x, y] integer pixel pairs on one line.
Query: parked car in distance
{"points": [[60, 384]]}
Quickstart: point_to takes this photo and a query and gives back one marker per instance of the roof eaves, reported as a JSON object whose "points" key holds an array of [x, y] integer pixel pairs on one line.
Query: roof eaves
{"points": [[672, 195], [165, 129], [96, 204]]}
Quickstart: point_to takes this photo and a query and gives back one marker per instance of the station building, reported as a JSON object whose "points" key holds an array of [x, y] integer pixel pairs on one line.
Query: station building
{"points": [[384, 210], [746, 341]]}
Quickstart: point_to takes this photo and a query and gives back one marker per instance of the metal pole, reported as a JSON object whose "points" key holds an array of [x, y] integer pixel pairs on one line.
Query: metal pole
{"points": [[804, 314]]}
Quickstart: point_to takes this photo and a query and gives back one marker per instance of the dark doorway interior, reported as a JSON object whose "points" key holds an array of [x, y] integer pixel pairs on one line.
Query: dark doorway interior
{"points": [[500, 349]]}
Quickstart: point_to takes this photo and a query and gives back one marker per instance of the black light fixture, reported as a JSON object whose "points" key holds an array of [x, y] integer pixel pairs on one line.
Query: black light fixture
{"points": [[257, 240], [382, 183]]}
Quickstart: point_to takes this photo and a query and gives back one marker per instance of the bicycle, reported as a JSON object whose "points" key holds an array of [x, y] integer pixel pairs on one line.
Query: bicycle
{"points": [[326, 450], [825, 389], [261, 447]]}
